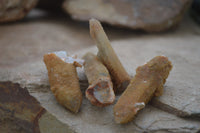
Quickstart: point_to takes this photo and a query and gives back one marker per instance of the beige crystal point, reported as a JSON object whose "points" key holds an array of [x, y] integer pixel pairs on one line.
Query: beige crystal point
{"points": [[148, 81], [100, 91], [63, 79], [108, 56]]}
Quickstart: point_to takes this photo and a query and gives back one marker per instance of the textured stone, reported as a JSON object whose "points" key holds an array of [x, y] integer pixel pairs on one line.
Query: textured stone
{"points": [[154, 15], [12, 10], [22, 113], [93, 119], [17, 105], [90, 119], [48, 123], [156, 121]]}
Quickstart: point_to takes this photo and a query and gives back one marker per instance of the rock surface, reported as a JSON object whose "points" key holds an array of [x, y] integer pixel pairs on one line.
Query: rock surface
{"points": [[11, 10], [154, 15], [90, 119], [25, 66], [16, 105], [22, 113]]}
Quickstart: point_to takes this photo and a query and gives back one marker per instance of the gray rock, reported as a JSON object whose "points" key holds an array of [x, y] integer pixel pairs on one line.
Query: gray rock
{"points": [[154, 15], [12, 10], [93, 119], [156, 121]]}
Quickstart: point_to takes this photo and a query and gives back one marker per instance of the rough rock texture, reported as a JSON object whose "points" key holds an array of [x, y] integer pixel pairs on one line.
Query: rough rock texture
{"points": [[25, 66], [11, 10], [27, 115], [22, 113], [154, 15], [91, 119], [16, 105]]}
